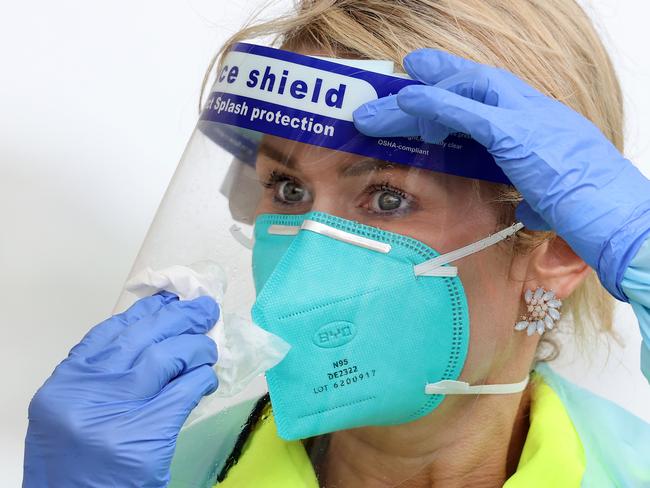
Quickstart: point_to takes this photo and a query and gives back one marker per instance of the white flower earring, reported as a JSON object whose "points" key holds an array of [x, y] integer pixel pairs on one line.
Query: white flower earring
{"points": [[543, 311]]}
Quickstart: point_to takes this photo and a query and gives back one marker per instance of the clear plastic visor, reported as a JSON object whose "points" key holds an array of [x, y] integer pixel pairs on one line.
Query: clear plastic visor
{"points": [[210, 210]]}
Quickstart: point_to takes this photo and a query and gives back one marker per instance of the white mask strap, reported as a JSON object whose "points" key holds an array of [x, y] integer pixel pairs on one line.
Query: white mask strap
{"points": [[240, 237], [451, 387], [434, 267]]}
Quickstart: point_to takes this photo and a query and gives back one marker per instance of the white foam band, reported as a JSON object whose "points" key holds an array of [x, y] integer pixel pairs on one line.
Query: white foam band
{"points": [[240, 237], [284, 230], [341, 235], [433, 267], [451, 387]]}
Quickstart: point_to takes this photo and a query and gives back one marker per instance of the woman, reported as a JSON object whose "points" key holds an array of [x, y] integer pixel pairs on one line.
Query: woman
{"points": [[369, 224]]}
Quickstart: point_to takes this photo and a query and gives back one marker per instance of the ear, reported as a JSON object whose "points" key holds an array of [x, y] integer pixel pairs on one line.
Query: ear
{"points": [[556, 267]]}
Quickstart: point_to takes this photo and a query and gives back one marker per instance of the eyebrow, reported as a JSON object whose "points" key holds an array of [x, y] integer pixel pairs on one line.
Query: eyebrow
{"points": [[277, 155], [368, 165], [364, 166]]}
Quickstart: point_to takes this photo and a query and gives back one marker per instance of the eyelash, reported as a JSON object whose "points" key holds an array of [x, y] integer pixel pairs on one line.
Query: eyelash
{"points": [[275, 177], [386, 186]]}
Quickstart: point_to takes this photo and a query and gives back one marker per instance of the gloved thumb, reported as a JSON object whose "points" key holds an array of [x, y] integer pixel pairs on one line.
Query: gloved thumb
{"points": [[531, 219]]}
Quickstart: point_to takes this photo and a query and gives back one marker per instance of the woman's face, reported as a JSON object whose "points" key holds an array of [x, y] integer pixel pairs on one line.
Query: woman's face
{"points": [[443, 211]]}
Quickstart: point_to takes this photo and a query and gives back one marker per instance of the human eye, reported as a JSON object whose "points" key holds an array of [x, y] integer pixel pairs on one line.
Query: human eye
{"points": [[387, 200], [286, 189]]}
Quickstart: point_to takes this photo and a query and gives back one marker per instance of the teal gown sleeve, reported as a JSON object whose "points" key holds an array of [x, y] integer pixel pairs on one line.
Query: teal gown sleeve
{"points": [[636, 285]]}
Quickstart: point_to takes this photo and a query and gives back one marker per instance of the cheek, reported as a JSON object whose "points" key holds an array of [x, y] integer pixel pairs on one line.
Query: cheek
{"points": [[493, 308], [264, 206]]}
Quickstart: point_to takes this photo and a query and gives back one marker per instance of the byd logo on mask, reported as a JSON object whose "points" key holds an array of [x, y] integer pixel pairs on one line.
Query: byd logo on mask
{"points": [[334, 334]]}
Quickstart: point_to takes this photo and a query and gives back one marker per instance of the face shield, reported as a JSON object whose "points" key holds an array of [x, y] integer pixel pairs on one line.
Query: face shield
{"points": [[369, 257]]}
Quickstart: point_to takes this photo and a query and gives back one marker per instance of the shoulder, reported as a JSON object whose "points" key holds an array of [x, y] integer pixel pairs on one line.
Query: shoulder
{"points": [[616, 442]]}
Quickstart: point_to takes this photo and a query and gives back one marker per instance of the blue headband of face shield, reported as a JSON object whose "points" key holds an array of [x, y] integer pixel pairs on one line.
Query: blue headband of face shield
{"points": [[377, 321], [261, 90]]}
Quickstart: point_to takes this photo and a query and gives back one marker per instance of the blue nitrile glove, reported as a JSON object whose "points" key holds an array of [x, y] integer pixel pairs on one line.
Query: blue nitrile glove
{"points": [[110, 413], [571, 177]]}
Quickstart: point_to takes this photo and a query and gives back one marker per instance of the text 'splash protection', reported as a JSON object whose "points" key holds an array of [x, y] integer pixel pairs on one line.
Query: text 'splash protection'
{"points": [[262, 90]]}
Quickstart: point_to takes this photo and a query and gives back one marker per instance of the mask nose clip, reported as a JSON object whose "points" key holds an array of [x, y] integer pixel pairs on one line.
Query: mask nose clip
{"points": [[332, 232], [343, 236]]}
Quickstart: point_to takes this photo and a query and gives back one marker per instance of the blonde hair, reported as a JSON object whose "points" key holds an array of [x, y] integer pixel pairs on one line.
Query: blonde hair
{"points": [[551, 44]]}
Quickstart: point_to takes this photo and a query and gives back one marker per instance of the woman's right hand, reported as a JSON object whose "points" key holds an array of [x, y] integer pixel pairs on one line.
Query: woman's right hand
{"points": [[111, 412]]}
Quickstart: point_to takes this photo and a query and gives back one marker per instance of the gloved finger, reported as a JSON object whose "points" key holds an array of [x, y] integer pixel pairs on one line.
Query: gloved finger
{"points": [[164, 414], [451, 110], [384, 118], [180, 317], [487, 86], [432, 66], [181, 395], [531, 219], [103, 333], [433, 132], [163, 361]]}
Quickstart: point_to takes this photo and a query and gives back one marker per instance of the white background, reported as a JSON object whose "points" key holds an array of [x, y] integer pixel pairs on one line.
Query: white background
{"points": [[97, 100]]}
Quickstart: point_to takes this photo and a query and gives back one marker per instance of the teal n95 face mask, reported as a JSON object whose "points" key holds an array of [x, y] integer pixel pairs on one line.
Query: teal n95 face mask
{"points": [[377, 322]]}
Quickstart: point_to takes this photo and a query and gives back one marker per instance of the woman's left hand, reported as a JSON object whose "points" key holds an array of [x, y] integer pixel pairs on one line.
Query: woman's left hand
{"points": [[571, 176]]}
